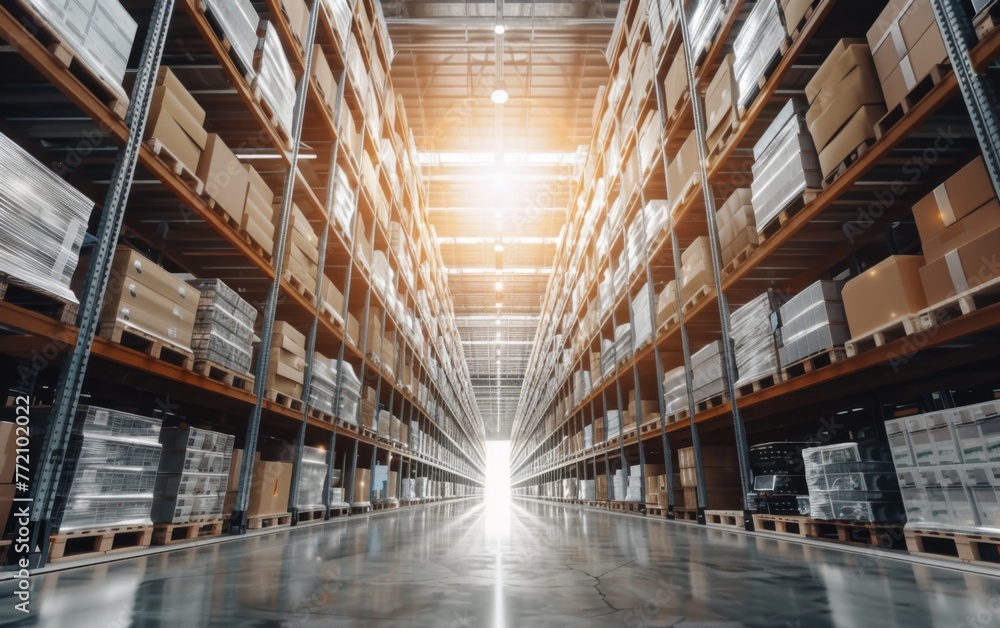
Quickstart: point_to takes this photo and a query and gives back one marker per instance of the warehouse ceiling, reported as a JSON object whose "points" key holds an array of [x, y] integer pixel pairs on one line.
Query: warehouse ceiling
{"points": [[499, 176]]}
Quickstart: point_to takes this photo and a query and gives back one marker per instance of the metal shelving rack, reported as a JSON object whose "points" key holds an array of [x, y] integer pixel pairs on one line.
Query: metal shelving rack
{"points": [[462, 463], [865, 374]]}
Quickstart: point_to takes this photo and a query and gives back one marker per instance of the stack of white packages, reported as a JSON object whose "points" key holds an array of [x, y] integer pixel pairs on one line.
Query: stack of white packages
{"points": [[753, 328], [623, 342], [785, 164], [193, 474], [423, 490], [340, 12], [570, 489], [706, 367], [756, 45], [619, 483], [350, 392], [409, 490], [588, 435], [99, 32], [642, 317], [312, 477], [675, 390], [846, 484], [612, 424], [607, 355], [337, 499], [323, 389], [239, 21], [703, 23], [109, 471], [344, 203], [42, 222], [811, 321], [634, 493], [586, 490], [275, 80], [581, 386], [223, 327]]}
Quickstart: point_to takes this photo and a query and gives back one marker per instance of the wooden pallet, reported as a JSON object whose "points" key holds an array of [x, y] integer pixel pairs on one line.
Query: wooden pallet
{"points": [[723, 141], [739, 260], [779, 524], [350, 427], [655, 510], [775, 224], [368, 433], [339, 511], [283, 400], [881, 535], [847, 162], [650, 426], [219, 373], [899, 328], [319, 415], [680, 415], [168, 533], [961, 304], [128, 336], [727, 518], [625, 506], [712, 402], [87, 543], [110, 93], [914, 96], [29, 297], [758, 385], [690, 187], [987, 20], [685, 514], [316, 514], [361, 508], [185, 174], [259, 522], [826, 357], [299, 286], [695, 299], [272, 116], [979, 549], [797, 31]]}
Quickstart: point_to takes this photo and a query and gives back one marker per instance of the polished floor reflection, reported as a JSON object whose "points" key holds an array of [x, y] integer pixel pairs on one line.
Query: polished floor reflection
{"points": [[466, 564]]}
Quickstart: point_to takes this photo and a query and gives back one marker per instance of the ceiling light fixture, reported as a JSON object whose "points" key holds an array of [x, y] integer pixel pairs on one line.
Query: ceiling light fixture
{"points": [[499, 285], [499, 96], [498, 248], [499, 29]]}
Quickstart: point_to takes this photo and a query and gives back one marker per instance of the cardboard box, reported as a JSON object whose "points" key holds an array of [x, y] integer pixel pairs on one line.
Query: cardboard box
{"points": [[906, 45], [972, 264], [964, 192], [696, 269], [884, 293], [235, 464], [860, 127], [362, 485], [794, 11], [721, 103], [175, 127], [297, 15], [927, 53], [148, 313], [962, 232], [676, 83], [168, 80], [270, 488], [683, 169], [226, 179], [690, 498], [325, 80], [846, 55], [833, 109], [8, 455]]}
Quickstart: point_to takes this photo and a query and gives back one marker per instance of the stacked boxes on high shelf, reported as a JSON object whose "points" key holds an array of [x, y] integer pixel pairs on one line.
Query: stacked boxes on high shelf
{"points": [[884, 294], [737, 226], [753, 330], [755, 48], [193, 474], [812, 321], [224, 326], [906, 45], [287, 363]]}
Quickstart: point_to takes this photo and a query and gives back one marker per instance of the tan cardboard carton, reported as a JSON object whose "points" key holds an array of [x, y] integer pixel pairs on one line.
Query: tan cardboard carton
{"points": [[362, 485], [884, 293], [225, 177], [682, 169], [962, 232], [834, 109], [794, 11], [291, 339], [720, 103], [964, 192], [965, 268], [297, 15], [696, 269], [8, 455], [676, 83], [166, 78], [176, 128], [860, 127], [270, 488], [846, 55]]}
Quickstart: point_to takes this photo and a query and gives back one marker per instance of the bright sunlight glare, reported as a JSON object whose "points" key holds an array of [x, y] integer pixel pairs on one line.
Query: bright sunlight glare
{"points": [[497, 489]]}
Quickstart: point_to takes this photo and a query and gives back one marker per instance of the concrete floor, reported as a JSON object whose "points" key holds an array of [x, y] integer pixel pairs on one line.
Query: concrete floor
{"points": [[465, 564]]}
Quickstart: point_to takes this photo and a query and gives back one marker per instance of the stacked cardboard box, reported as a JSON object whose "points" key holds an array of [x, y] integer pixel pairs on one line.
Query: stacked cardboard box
{"points": [[845, 102], [652, 471], [906, 45], [362, 487], [99, 32], [42, 222], [753, 327], [145, 297], [721, 109], [270, 485], [683, 170], [666, 304], [287, 361], [785, 164], [302, 250], [192, 478], [642, 410], [722, 476], [258, 211], [226, 179], [8, 464], [176, 120], [794, 11], [696, 270], [884, 293], [296, 13], [586, 490], [737, 225], [109, 469], [756, 45], [959, 225], [223, 327], [812, 321], [675, 87], [946, 465], [846, 483]]}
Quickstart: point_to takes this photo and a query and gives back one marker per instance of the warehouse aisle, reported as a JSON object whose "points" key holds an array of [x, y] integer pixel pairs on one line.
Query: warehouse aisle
{"points": [[467, 565]]}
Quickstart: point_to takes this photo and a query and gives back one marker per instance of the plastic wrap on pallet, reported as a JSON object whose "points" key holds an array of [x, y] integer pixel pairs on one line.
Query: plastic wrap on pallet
{"points": [[675, 390], [238, 21], [323, 388], [344, 204], [350, 393], [756, 45], [224, 326], [612, 424], [703, 22], [42, 222], [642, 308], [275, 79], [619, 482], [753, 327], [812, 321], [586, 490], [785, 164], [99, 32], [706, 371], [340, 11], [843, 485]]}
